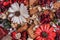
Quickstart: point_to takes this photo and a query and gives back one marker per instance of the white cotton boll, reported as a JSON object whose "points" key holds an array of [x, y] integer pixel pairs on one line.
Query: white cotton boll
{"points": [[35, 27], [10, 10], [52, 24], [24, 11], [10, 31], [12, 20], [43, 8], [47, 8], [13, 25], [3, 16], [29, 38], [53, 10], [37, 19], [18, 35], [34, 16], [39, 8], [14, 28], [51, 5]]}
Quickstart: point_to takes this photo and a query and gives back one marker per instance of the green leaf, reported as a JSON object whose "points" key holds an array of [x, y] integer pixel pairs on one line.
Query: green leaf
{"points": [[55, 21], [59, 24]]}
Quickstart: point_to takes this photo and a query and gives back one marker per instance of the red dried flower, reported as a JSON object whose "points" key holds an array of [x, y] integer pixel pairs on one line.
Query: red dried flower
{"points": [[45, 32], [58, 33], [44, 2], [3, 32], [58, 30], [13, 34], [7, 2], [58, 13], [46, 16]]}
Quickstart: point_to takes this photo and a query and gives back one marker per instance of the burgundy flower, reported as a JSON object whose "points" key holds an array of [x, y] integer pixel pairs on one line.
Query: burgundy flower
{"points": [[44, 2], [46, 16], [24, 35], [58, 33], [3, 32], [58, 13]]}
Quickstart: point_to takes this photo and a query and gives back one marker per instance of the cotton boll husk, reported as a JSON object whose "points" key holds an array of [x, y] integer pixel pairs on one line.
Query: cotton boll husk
{"points": [[56, 5], [3, 16], [14, 25]]}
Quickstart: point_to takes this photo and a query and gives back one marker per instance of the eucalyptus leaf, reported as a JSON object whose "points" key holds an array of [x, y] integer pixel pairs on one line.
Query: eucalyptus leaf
{"points": [[59, 23], [1, 21], [6, 23], [55, 21]]}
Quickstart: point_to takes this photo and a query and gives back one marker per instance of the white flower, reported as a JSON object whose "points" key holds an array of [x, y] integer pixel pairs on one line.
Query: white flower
{"points": [[18, 35], [7, 37], [39, 8], [18, 13]]}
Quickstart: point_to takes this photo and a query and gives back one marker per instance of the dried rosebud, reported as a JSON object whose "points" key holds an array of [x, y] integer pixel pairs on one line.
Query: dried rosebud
{"points": [[46, 16], [58, 13], [44, 2]]}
